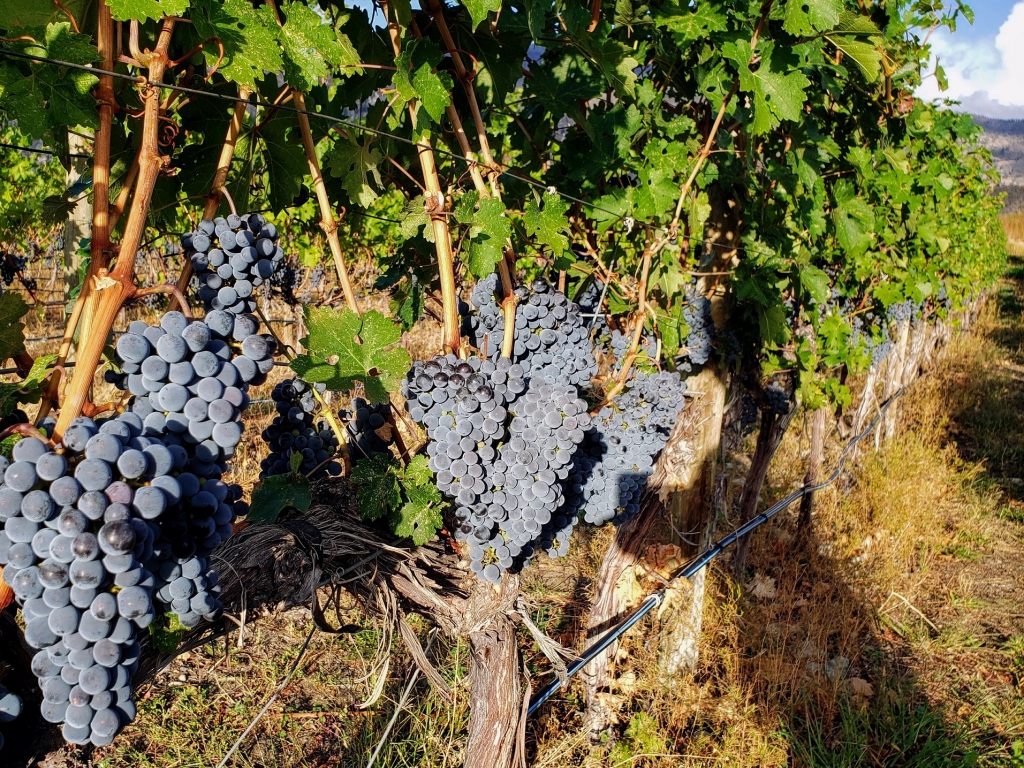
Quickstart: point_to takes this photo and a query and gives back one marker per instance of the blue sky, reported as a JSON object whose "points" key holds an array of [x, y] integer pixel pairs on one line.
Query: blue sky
{"points": [[984, 62]]}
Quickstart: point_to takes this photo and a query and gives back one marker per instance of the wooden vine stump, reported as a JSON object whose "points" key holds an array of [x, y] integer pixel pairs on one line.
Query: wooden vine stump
{"points": [[614, 586], [819, 421], [693, 517]]}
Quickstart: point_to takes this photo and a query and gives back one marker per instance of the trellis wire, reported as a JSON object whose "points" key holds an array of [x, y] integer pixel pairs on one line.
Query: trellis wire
{"points": [[513, 173], [702, 560]]}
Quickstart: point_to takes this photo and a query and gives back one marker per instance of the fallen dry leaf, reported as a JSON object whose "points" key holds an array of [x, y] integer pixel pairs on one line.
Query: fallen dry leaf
{"points": [[762, 587], [861, 691]]}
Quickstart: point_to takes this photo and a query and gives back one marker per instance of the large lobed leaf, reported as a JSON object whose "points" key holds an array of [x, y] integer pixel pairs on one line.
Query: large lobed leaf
{"points": [[343, 348]]}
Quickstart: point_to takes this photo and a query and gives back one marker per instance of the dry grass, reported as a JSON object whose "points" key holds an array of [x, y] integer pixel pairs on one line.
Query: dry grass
{"points": [[1013, 224]]}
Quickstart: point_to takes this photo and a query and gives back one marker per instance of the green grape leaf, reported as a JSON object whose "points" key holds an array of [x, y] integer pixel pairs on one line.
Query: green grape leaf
{"points": [[250, 42], [435, 91], [285, 159], [687, 27], [478, 10], [377, 488], [816, 282], [416, 78], [140, 10], [312, 48], [778, 91], [167, 632], [547, 223], [56, 209], [489, 230], [343, 348], [612, 57], [277, 493], [28, 390], [865, 55], [535, 12], [415, 218], [356, 165], [12, 330], [418, 472], [854, 220], [860, 40], [407, 302], [33, 14], [420, 517], [52, 97], [806, 17]]}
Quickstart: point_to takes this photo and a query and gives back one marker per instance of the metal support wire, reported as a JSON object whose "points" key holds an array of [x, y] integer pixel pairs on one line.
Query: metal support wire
{"points": [[512, 173], [702, 560]]}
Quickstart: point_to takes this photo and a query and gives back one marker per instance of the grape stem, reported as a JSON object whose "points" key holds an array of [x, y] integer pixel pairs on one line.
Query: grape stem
{"points": [[99, 245], [26, 430], [113, 290], [327, 221], [218, 188], [172, 289], [709, 143], [465, 77], [653, 247], [435, 205]]}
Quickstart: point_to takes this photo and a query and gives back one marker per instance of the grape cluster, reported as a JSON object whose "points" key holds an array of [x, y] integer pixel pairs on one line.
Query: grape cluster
{"points": [[12, 265], [778, 399], [902, 311], [284, 280], [697, 315], [79, 527], [293, 431], [618, 344], [617, 457], [10, 708], [589, 300], [232, 257], [749, 415], [188, 383], [551, 337], [368, 427], [500, 448]]}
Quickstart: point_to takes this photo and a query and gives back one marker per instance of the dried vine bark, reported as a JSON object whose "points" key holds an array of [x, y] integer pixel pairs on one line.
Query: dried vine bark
{"points": [[693, 515], [114, 289]]}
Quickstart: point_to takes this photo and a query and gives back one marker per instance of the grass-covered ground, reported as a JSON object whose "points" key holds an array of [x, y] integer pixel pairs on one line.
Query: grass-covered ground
{"points": [[894, 636]]}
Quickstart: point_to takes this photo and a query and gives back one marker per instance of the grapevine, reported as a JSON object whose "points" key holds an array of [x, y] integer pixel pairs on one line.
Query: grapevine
{"points": [[748, 193]]}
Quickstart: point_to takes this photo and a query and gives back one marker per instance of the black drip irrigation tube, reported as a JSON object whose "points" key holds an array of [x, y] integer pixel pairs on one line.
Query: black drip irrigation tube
{"points": [[701, 561]]}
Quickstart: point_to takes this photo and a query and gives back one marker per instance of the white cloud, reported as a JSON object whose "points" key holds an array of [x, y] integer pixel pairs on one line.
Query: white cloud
{"points": [[987, 75]]}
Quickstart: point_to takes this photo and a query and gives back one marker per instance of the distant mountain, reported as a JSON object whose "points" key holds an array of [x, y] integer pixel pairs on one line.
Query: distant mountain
{"points": [[1005, 140]]}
